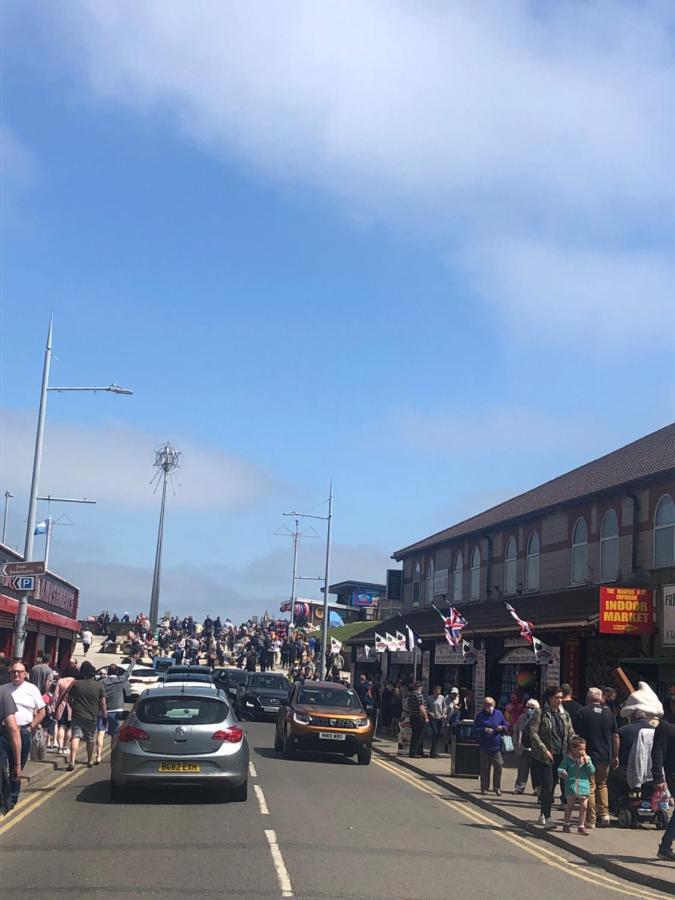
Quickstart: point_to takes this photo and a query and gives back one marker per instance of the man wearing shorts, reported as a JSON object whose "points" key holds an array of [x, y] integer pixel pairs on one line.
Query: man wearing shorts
{"points": [[87, 701]]}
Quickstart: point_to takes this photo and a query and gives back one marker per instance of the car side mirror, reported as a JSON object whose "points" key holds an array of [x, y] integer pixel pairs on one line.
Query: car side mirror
{"points": [[121, 716]]}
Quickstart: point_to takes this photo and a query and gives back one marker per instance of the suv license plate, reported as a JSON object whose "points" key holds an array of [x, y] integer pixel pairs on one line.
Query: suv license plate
{"points": [[270, 709], [330, 736], [179, 767]]}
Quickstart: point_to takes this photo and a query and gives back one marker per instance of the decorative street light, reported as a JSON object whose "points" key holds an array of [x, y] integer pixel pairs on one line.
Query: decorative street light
{"points": [[167, 458]]}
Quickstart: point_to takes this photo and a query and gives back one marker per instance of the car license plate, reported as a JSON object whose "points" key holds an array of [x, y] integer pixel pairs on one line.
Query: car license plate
{"points": [[179, 767], [331, 736], [270, 709]]}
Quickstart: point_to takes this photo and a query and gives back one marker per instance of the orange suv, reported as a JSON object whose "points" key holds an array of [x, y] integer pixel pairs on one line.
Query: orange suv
{"points": [[325, 717]]}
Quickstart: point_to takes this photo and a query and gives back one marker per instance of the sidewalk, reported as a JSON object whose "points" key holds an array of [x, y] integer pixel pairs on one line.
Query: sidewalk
{"points": [[629, 854]]}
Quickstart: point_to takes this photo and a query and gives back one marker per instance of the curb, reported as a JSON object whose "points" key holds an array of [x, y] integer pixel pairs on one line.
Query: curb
{"points": [[598, 859], [46, 767]]}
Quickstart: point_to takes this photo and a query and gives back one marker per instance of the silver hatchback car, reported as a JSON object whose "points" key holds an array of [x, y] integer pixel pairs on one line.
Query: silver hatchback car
{"points": [[185, 736]]}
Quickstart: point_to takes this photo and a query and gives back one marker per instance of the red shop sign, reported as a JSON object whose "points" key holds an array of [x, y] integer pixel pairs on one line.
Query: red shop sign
{"points": [[626, 610]]}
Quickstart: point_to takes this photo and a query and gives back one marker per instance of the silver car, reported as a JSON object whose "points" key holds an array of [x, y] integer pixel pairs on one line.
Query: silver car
{"points": [[187, 736]]}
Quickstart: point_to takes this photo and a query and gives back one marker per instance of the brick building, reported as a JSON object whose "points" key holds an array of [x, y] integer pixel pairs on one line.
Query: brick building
{"points": [[548, 552]]}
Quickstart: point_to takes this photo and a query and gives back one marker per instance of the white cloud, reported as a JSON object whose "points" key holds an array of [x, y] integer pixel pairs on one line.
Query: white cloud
{"points": [[113, 464], [468, 123]]}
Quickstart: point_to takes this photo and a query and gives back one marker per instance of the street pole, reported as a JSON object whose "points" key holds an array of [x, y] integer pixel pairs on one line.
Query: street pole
{"points": [[157, 574], [324, 633], [296, 536], [48, 540], [8, 496], [22, 615]]}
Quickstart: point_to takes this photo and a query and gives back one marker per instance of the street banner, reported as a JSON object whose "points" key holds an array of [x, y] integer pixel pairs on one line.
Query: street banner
{"points": [[392, 643], [668, 627], [526, 628], [380, 643], [401, 641], [626, 610]]}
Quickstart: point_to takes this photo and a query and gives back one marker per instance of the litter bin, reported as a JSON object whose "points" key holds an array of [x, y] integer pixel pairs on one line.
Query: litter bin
{"points": [[465, 750]]}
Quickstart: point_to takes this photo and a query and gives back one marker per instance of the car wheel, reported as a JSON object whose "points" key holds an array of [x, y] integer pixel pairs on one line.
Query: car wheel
{"points": [[288, 747], [363, 757], [278, 743], [118, 794], [239, 794]]}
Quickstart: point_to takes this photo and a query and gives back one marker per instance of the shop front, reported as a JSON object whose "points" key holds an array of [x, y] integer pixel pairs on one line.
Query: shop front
{"points": [[46, 632]]}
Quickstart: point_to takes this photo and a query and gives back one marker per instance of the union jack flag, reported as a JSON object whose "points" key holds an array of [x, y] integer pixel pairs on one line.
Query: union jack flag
{"points": [[526, 628], [453, 625]]}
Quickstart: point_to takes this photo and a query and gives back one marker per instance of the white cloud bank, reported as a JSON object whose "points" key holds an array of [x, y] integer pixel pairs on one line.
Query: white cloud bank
{"points": [[113, 464], [531, 143]]}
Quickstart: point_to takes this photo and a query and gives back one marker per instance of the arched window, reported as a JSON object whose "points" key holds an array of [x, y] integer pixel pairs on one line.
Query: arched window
{"points": [[609, 546], [417, 577], [510, 566], [579, 552], [474, 575], [532, 563], [430, 583], [664, 532], [457, 575]]}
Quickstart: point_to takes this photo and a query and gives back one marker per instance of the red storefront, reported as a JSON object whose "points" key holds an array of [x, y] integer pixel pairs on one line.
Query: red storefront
{"points": [[46, 632]]}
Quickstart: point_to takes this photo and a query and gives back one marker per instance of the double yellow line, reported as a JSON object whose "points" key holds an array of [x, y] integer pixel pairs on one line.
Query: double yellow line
{"points": [[30, 803], [550, 857]]}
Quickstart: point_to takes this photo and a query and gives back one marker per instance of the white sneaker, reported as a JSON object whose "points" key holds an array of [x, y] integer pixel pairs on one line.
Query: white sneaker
{"points": [[550, 825], [541, 820]]}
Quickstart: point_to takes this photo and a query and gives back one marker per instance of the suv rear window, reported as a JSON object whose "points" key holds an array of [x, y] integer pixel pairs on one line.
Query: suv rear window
{"points": [[181, 711], [315, 696]]}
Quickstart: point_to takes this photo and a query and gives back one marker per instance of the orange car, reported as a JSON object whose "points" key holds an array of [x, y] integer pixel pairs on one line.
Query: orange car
{"points": [[325, 717]]}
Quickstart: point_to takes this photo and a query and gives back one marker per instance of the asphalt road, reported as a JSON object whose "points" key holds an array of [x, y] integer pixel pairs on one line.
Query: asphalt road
{"points": [[316, 827]]}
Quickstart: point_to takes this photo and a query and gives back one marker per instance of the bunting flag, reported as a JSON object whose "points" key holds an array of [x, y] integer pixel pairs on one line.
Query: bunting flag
{"points": [[543, 655], [401, 641], [414, 640], [335, 645], [526, 628], [380, 643], [453, 625], [367, 650], [392, 643]]}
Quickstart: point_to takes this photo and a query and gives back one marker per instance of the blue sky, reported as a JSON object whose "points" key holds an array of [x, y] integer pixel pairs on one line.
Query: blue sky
{"points": [[424, 252]]}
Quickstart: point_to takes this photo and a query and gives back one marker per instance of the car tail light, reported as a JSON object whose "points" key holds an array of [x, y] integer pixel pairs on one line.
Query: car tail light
{"points": [[232, 735], [131, 733]]}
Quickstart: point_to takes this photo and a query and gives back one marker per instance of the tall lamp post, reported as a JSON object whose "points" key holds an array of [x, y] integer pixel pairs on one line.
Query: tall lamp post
{"points": [[167, 458], [20, 628], [324, 628], [8, 496]]}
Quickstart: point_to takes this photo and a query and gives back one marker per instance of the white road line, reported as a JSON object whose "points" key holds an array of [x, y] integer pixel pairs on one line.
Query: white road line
{"points": [[261, 800], [279, 864], [251, 770]]}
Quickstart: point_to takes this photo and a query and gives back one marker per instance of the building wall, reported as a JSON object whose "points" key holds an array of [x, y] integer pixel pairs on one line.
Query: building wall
{"points": [[555, 529]]}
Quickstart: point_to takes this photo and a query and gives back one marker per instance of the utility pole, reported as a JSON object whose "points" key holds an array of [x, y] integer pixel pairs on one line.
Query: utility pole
{"points": [[50, 522], [167, 458], [8, 497], [296, 535]]}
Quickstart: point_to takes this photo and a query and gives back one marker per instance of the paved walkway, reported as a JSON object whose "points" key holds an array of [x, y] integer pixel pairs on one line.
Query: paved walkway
{"points": [[630, 853]]}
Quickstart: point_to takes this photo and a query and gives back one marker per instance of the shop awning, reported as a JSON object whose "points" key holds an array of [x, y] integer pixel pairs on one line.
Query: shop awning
{"points": [[648, 661], [575, 608], [37, 614]]}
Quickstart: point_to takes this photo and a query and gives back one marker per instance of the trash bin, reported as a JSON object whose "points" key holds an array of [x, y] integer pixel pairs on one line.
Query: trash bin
{"points": [[465, 750]]}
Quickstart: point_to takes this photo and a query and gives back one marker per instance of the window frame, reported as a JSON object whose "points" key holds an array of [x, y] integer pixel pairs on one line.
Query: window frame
{"points": [[474, 595], [511, 566], [574, 545], [529, 556], [416, 581], [603, 541], [458, 578], [429, 584], [671, 562]]}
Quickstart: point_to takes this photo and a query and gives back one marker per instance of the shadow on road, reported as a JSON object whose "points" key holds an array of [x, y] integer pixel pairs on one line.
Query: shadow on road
{"points": [[331, 758], [99, 793]]}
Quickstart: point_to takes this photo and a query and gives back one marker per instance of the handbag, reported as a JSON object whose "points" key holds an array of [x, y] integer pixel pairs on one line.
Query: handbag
{"points": [[507, 743]]}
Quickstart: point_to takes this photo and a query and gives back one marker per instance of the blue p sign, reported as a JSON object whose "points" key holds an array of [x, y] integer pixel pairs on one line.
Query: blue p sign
{"points": [[27, 583]]}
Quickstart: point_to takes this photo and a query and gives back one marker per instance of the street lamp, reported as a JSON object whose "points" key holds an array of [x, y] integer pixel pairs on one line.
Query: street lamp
{"points": [[20, 630]]}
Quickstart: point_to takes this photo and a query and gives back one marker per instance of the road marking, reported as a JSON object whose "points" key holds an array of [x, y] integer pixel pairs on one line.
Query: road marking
{"points": [[26, 807], [545, 855], [261, 800], [279, 864], [251, 770]]}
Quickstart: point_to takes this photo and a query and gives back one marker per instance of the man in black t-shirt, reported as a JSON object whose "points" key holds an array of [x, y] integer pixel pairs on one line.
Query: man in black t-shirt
{"points": [[87, 700], [596, 723], [570, 705]]}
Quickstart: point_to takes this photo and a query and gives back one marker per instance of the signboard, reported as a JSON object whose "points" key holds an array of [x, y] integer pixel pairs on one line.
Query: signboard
{"points": [[425, 671], [626, 611], [365, 598], [23, 582], [22, 568], [441, 582], [572, 664], [479, 679], [552, 675], [668, 627], [53, 593]]}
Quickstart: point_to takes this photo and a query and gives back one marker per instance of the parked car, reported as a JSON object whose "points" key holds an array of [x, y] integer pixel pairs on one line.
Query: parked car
{"points": [[324, 717], [188, 737], [229, 680], [260, 695], [141, 678]]}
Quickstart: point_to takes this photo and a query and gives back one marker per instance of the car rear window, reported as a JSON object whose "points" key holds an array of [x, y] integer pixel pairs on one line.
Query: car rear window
{"points": [[316, 696], [188, 676], [236, 676], [181, 711], [144, 673]]}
